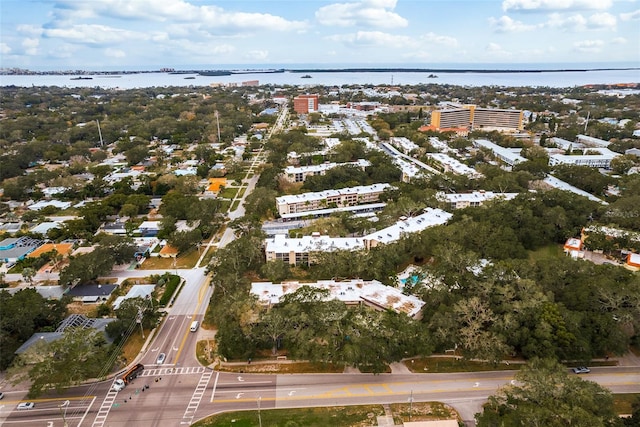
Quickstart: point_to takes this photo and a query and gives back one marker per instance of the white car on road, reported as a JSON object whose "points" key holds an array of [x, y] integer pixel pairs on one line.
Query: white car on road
{"points": [[118, 385]]}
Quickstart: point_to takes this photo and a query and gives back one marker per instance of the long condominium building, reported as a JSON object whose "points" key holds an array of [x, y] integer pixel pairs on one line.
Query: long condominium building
{"points": [[473, 117], [299, 250], [300, 173], [351, 196]]}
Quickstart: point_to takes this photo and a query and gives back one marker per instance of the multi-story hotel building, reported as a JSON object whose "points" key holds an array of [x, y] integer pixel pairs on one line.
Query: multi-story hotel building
{"points": [[307, 202], [472, 117], [304, 104]]}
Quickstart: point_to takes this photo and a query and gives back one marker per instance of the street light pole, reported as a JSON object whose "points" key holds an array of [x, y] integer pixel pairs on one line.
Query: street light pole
{"points": [[410, 405], [64, 414], [259, 416]]}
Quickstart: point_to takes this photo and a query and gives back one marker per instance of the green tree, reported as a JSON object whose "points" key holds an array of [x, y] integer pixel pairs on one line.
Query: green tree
{"points": [[80, 354], [547, 396]]}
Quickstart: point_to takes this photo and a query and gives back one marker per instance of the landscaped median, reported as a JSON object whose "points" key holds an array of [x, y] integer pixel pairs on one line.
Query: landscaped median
{"points": [[343, 416]]}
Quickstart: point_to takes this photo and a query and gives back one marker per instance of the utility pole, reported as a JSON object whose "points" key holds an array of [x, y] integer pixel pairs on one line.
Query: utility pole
{"points": [[100, 133], [139, 320], [218, 124], [259, 416]]}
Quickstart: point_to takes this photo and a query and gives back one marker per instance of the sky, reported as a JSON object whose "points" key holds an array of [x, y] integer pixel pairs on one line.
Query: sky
{"points": [[209, 34]]}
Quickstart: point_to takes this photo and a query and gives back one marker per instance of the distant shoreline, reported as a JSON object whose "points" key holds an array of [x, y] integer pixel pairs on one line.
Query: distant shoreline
{"points": [[314, 70], [451, 70]]}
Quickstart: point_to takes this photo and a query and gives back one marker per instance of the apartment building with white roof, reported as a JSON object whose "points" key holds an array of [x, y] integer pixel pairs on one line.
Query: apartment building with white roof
{"points": [[591, 141], [474, 199], [300, 173], [298, 250], [350, 196], [403, 144], [600, 160], [449, 164], [370, 293], [509, 156]]}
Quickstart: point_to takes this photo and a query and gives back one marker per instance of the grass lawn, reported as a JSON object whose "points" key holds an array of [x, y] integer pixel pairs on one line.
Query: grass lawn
{"points": [[186, 260], [623, 403], [205, 351], [451, 364], [133, 345], [228, 193], [342, 416], [421, 411], [235, 205], [285, 368]]}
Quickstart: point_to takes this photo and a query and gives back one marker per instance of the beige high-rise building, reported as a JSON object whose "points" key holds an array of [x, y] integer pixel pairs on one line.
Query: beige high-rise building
{"points": [[472, 117]]}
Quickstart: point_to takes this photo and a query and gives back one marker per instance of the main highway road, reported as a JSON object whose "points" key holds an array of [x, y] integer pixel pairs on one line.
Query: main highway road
{"points": [[178, 394]]}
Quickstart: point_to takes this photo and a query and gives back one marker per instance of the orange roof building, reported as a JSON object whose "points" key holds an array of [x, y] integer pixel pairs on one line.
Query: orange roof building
{"points": [[63, 249], [168, 251], [215, 184]]}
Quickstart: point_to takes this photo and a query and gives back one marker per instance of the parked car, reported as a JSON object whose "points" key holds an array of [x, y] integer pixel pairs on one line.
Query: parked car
{"points": [[26, 405], [161, 358], [1, 395], [581, 370]]}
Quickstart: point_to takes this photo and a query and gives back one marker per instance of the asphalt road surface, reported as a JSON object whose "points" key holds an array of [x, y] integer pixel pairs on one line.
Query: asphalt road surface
{"points": [[180, 395]]}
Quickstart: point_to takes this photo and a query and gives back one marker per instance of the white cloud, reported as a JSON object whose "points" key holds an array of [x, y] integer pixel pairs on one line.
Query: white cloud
{"points": [[554, 5], [495, 49], [505, 24], [589, 46], [29, 30], [631, 16], [373, 38], [567, 23], [577, 22], [368, 13], [602, 21], [30, 46], [114, 53], [213, 17], [93, 34], [257, 55], [619, 40], [5, 49], [441, 40]]}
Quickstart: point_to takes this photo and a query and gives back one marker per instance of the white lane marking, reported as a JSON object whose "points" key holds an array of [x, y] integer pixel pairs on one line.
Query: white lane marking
{"points": [[239, 395], [476, 385], [215, 384], [240, 379], [291, 392]]}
